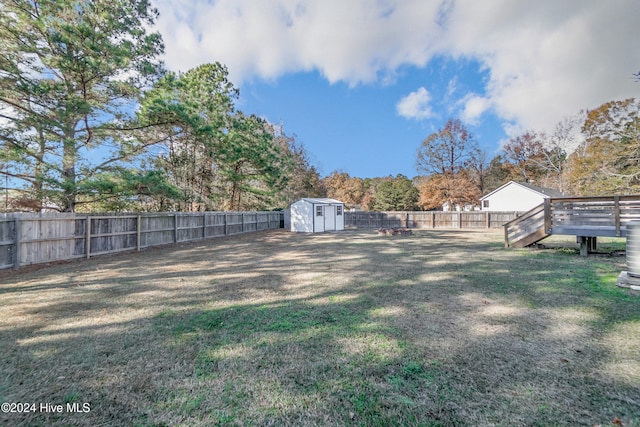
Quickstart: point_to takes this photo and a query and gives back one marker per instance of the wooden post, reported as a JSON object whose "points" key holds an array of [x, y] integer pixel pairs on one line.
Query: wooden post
{"points": [[582, 241], [16, 241], [242, 228], [138, 233], [175, 228], [506, 236], [406, 220], [487, 220], [204, 225], [616, 213], [547, 215], [88, 232], [459, 219], [433, 220], [588, 244]]}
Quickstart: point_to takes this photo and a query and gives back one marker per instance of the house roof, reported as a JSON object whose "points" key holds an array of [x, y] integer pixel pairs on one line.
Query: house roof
{"points": [[543, 191], [322, 200]]}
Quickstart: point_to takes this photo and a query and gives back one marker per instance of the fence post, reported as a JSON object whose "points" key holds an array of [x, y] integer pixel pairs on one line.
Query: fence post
{"points": [[16, 242], [459, 219], [242, 228], [487, 219], [204, 225], [224, 217], [616, 214], [138, 232], [433, 219], [88, 243], [175, 228]]}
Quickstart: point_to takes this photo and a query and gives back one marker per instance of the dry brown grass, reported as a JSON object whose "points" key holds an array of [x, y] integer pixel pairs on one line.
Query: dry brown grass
{"points": [[275, 328]]}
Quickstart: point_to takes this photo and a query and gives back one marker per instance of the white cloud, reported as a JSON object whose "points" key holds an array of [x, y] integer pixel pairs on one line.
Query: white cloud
{"points": [[474, 107], [544, 59], [355, 41], [547, 60], [415, 105]]}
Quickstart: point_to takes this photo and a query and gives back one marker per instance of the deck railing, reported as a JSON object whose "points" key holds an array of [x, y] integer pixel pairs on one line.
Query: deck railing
{"points": [[574, 216]]}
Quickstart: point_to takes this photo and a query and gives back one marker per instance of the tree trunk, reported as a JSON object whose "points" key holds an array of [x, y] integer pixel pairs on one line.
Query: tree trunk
{"points": [[69, 174]]}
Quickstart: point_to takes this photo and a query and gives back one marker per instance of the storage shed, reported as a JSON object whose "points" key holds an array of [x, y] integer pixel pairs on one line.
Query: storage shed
{"points": [[311, 215], [516, 196]]}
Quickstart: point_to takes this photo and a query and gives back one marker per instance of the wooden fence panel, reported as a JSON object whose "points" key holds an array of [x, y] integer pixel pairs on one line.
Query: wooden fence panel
{"points": [[113, 234], [215, 224], [235, 223], [473, 220], [157, 229], [446, 220], [429, 219], [420, 220], [34, 238], [190, 227], [498, 219], [7, 243], [262, 221], [250, 222], [46, 239], [80, 234]]}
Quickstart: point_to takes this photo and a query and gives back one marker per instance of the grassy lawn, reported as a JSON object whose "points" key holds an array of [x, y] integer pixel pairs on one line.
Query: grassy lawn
{"points": [[440, 328]]}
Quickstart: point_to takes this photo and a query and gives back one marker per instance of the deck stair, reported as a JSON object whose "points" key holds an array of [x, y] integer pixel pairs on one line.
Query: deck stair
{"points": [[527, 229], [584, 217]]}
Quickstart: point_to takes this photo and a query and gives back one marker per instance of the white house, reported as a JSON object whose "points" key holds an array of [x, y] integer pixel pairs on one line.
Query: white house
{"points": [[516, 196], [311, 215]]}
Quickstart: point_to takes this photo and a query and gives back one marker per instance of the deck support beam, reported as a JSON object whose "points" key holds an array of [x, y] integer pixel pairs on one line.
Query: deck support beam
{"points": [[588, 244]]}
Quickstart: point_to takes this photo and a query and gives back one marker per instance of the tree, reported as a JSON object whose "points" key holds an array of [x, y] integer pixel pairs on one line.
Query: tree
{"points": [[478, 169], [437, 189], [607, 162], [303, 178], [343, 187], [191, 115], [253, 167], [499, 172], [524, 152], [446, 151], [219, 157], [396, 194], [446, 155], [70, 72], [559, 144]]}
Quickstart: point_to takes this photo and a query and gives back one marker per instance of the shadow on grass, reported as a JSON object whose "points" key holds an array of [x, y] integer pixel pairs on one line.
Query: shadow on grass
{"points": [[353, 329]]}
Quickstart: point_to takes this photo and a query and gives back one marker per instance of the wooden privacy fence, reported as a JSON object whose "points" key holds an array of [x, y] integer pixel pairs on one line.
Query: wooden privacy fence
{"points": [[32, 239], [429, 219]]}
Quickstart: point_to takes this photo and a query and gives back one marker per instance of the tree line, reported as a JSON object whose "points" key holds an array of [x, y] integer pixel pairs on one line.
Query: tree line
{"points": [[90, 120], [595, 152]]}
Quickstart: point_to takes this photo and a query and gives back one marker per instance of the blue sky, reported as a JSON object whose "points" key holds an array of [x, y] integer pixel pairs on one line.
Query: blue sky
{"points": [[362, 82], [359, 129]]}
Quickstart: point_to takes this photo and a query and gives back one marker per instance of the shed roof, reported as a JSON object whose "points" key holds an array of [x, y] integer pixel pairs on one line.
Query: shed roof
{"points": [[543, 191], [322, 200]]}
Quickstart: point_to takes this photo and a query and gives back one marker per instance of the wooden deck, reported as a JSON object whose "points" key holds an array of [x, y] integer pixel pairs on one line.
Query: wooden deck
{"points": [[584, 217]]}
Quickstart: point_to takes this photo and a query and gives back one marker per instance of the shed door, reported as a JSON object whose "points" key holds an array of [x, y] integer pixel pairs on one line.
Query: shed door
{"points": [[329, 217]]}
